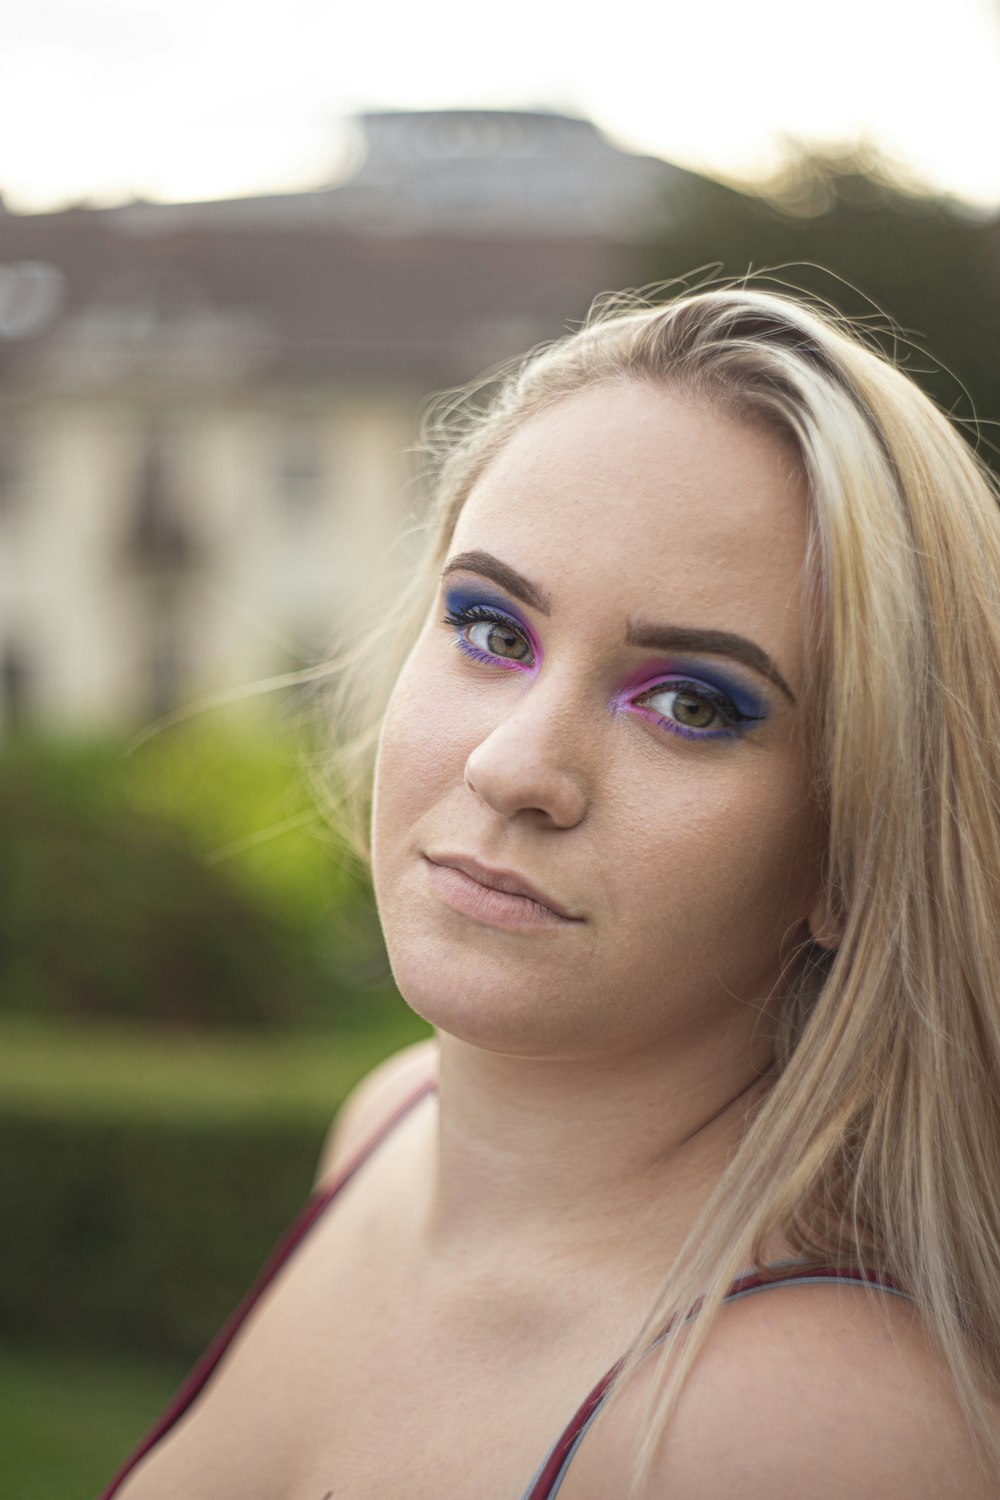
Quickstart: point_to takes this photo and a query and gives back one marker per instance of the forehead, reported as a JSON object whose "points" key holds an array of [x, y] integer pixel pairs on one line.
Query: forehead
{"points": [[657, 506]]}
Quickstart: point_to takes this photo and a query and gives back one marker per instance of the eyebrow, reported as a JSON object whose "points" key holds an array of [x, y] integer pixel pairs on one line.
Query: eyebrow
{"points": [[716, 642], [640, 632], [508, 578]]}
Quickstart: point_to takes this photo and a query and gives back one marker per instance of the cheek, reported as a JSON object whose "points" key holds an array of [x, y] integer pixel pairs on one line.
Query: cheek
{"points": [[768, 856], [720, 868], [420, 753]]}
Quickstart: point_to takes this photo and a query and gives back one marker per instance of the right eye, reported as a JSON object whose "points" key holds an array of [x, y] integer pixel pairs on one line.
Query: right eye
{"points": [[488, 636], [498, 640]]}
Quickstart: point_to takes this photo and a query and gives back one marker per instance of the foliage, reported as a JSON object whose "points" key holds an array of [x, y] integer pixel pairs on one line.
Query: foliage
{"points": [[144, 1237], [153, 1174], [919, 269], [188, 883]]}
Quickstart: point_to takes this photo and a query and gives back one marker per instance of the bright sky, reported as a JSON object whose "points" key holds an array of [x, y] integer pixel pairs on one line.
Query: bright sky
{"points": [[104, 99]]}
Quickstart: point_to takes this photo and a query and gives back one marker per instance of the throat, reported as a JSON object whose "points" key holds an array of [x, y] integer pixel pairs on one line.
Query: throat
{"points": [[586, 1172]]}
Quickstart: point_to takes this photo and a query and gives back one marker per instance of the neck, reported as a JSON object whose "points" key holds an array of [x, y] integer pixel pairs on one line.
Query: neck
{"points": [[579, 1157]]}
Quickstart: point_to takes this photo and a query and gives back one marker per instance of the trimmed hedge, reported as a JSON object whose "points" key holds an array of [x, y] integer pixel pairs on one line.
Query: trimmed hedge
{"points": [[160, 1118], [136, 1216], [141, 1238]]}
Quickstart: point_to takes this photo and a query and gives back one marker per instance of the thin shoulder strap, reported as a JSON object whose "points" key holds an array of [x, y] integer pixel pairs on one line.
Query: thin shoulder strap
{"points": [[549, 1477], [293, 1236], [793, 1274]]}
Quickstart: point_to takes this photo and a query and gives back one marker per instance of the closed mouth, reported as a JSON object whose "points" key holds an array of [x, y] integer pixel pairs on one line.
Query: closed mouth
{"points": [[507, 881]]}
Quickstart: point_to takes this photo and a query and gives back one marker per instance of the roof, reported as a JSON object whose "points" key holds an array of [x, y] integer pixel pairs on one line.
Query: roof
{"points": [[463, 236], [293, 296]]}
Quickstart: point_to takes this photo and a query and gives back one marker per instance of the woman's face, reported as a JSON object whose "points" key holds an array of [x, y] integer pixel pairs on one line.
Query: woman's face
{"points": [[601, 707]]}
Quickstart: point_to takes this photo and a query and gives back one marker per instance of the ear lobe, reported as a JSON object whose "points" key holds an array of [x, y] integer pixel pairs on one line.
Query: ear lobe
{"points": [[824, 929]]}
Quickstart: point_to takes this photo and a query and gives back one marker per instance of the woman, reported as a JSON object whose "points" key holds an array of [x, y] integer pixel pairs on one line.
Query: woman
{"points": [[686, 840]]}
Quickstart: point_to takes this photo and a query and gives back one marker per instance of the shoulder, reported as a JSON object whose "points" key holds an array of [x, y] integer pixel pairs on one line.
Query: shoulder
{"points": [[372, 1101], [827, 1391]]}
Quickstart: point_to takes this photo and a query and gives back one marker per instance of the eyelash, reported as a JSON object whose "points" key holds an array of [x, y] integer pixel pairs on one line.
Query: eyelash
{"points": [[724, 706], [732, 717], [474, 614]]}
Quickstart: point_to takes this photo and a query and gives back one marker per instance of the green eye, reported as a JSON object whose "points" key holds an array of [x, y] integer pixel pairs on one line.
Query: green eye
{"points": [[693, 710], [498, 640]]}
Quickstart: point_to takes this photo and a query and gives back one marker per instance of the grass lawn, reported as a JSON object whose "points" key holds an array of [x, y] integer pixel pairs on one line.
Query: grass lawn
{"points": [[67, 1421], [103, 1067]]}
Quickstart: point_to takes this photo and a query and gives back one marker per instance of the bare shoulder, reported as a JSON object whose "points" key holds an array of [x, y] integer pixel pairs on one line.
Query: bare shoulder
{"points": [[832, 1392], [372, 1101]]}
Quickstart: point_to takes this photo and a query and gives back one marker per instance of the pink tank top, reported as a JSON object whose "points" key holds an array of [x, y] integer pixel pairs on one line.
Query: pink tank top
{"points": [[550, 1474]]}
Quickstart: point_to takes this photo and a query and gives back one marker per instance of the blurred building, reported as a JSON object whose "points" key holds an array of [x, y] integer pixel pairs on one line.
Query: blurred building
{"points": [[205, 408]]}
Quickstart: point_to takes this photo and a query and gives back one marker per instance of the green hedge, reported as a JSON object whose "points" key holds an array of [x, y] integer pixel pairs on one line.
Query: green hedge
{"points": [[141, 1238], [145, 1179], [165, 918]]}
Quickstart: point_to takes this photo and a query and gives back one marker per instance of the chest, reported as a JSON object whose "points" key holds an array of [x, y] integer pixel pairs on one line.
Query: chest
{"points": [[357, 1376]]}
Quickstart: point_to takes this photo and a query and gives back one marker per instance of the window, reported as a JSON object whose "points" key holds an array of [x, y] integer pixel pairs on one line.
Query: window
{"points": [[14, 687], [158, 538]]}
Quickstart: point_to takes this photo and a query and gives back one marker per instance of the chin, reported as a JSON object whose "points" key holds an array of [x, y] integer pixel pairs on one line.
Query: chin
{"points": [[479, 1002]]}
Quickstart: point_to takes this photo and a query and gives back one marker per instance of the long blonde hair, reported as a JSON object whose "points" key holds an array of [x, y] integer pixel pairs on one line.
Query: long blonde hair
{"points": [[879, 1143]]}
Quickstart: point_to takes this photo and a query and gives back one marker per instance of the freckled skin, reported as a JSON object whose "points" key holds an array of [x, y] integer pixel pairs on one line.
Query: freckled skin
{"points": [[694, 864]]}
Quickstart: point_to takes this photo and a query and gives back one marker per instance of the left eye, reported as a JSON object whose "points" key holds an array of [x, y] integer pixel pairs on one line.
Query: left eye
{"points": [[498, 640], [691, 709], [692, 706]]}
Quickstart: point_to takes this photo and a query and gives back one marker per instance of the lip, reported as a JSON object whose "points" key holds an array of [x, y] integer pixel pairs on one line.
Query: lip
{"points": [[505, 882]]}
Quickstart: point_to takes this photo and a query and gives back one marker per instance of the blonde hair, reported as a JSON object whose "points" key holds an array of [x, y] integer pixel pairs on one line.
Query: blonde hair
{"points": [[879, 1143]]}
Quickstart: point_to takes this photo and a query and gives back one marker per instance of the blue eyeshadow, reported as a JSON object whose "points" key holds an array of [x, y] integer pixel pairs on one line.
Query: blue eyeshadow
{"points": [[748, 702], [458, 599]]}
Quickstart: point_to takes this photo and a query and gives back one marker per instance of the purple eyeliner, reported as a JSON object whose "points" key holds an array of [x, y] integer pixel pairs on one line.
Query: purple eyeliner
{"points": [[466, 606]]}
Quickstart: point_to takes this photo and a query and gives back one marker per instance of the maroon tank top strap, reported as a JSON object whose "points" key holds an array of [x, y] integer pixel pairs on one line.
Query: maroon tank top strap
{"points": [[549, 1477], [293, 1236], [554, 1466]]}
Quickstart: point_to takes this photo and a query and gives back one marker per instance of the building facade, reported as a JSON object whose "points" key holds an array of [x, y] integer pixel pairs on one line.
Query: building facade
{"points": [[206, 409]]}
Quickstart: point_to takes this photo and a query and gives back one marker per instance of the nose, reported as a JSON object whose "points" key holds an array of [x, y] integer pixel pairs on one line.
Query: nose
{"points": [[528, 763]]}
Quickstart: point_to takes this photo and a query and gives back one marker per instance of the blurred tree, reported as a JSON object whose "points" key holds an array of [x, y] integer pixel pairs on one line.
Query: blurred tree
{"points": [[114, 900], [920, 270]]}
